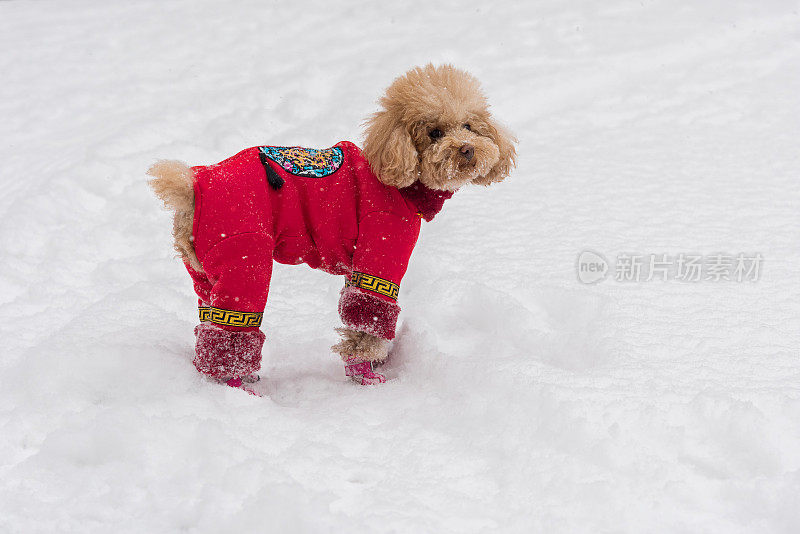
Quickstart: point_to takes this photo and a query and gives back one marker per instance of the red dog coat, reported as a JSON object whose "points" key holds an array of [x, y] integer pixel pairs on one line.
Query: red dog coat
{"points": [[324, 208]]}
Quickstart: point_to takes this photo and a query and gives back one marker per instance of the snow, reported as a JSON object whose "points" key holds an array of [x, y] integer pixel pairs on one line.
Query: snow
{"points": [[520, 399]]}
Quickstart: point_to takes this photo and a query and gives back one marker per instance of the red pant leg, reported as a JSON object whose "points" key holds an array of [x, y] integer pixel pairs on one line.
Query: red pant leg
{"points": [[229, 341], [239, 268]]}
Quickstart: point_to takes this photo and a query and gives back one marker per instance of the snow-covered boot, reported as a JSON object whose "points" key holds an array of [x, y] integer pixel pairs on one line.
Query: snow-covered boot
{"points": [[361, 372], [227, 356]]}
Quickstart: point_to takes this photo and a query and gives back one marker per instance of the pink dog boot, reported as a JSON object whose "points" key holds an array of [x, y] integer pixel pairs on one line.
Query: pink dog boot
{"points": [[360, 371], [240, 383]]}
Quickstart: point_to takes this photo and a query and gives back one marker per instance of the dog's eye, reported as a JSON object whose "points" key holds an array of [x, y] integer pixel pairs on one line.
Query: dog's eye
{"points": [[467, 127], [436, 133]]}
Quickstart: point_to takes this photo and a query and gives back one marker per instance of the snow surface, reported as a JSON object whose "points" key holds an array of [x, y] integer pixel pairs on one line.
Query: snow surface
{"points": [[520, 400]]}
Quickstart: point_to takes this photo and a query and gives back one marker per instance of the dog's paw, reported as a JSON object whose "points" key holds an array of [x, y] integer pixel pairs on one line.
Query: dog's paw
{"points": [[361, 345]]}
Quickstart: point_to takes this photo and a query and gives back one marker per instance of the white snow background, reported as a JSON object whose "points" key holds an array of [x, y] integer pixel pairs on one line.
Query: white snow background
{"points": [[519, 400]]}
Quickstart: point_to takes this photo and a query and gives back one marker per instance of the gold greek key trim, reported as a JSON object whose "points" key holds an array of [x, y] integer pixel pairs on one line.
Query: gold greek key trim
{"points": [[229, 317], [373, 283]]}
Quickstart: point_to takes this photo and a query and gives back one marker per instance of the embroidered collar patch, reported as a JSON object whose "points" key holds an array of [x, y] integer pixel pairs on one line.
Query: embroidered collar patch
{"points": [[308, 162]]}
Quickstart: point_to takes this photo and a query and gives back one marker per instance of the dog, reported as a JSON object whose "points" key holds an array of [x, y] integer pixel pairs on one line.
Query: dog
{"points": [[343, 210]]}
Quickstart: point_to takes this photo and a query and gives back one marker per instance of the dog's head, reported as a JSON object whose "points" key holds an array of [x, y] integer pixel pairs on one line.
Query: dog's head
{"points": [[435, 127]]}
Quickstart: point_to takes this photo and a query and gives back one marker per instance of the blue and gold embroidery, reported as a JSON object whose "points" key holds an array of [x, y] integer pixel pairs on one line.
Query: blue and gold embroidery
{"points": [[308, 162], [229, 317], [373, 283]]}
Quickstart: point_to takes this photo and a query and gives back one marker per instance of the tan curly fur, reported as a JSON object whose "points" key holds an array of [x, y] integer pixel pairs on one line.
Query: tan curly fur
{"points": [[400, 149], [365, 346], [173, 183]]}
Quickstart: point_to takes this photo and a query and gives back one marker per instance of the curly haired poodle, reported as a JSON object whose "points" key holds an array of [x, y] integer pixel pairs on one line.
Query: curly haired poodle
{"points": [[343, 210]]}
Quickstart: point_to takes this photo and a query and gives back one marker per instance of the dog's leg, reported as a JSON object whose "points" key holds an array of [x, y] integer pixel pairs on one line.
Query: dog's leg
{"points": [[361, 352], [362, 345], [229, 342]]}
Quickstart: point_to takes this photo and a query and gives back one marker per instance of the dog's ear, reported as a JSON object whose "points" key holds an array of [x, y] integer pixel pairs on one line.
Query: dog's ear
{"points": [[505, 141], [390, 151]]}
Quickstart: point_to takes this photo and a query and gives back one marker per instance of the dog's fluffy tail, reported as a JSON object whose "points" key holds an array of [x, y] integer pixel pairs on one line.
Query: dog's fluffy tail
{"points": [[173, 183]]}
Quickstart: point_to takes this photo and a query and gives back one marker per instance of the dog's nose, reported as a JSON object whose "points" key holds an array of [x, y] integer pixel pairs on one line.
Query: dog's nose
{"points": [[467, 151]]}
